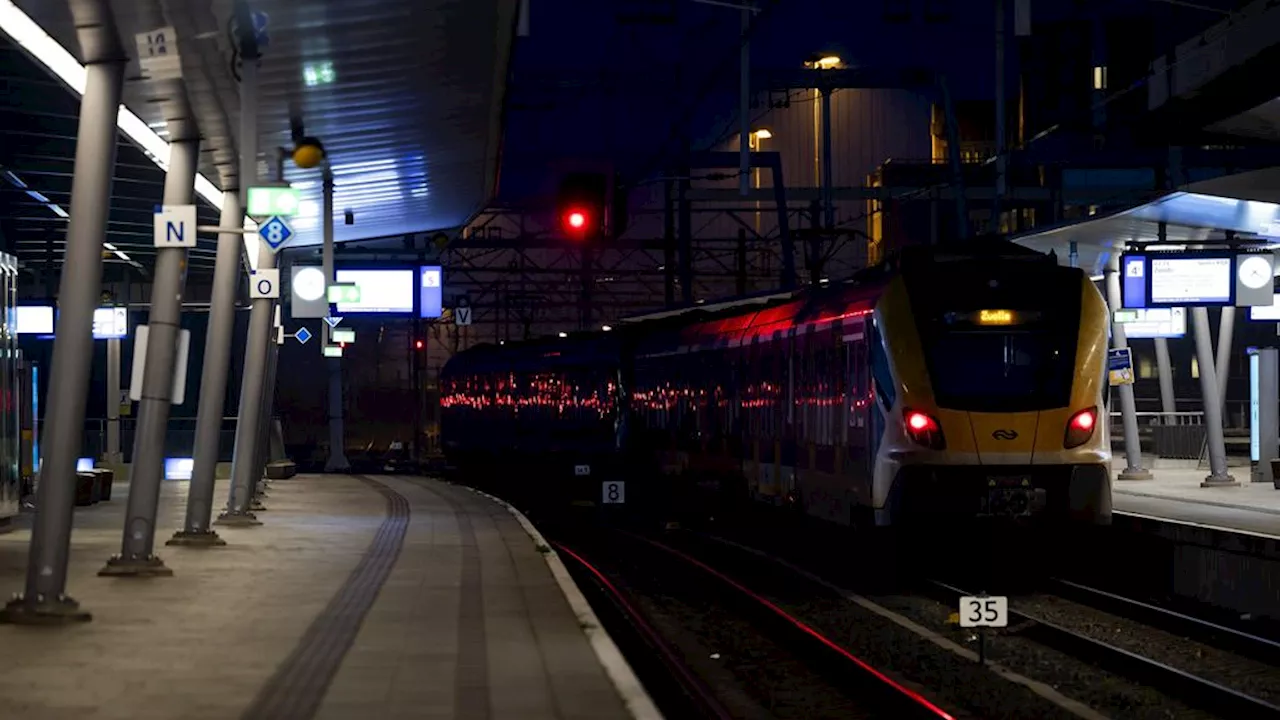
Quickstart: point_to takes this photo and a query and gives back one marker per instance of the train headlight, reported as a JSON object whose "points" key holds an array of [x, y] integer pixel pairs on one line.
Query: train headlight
{"points": [[923, 429], [1080, 428]]}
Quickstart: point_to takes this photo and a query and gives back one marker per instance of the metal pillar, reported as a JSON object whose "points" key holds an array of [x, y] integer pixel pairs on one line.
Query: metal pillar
{"points": [[1128, 407], [195, 530], [684, 237], [1212, 402], [668, 244], [164, 326], [337, 460], [744, 107], [1222, 363], [264, 425], [255, 352], [1164, 372], [998, 199], [113, 457], [1264, 426], [44, 600], [828, 201], [244, 465]]}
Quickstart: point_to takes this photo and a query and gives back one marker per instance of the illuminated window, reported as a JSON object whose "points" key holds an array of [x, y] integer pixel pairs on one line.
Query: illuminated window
{"points": [[1099, 77], [1146, 368]]}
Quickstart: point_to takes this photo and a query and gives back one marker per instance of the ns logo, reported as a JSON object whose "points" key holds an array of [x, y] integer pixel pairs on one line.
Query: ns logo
{"points": [[1004, 435]]}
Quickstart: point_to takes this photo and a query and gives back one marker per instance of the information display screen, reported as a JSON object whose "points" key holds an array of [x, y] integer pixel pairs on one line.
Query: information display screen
{"points": [[1192, 281], [34, 319], [430, 291], [110, 322], [1153, 322], [381, 291]]}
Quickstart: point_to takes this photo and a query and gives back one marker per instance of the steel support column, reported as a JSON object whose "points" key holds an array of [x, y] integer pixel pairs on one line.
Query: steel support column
{"points": [[1216, 446], [744, 106], [244, 461], [1128, 407], [44, 600], [828, 201], [1222, 362], [164, 328], [244, 456], [1164, 372], [196, 530], [1268, 420], [112, 457], [337, 460]]}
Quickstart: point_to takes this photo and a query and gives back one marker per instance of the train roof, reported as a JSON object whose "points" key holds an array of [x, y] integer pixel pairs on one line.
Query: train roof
{"points": [[713, 324], [577, 350]]}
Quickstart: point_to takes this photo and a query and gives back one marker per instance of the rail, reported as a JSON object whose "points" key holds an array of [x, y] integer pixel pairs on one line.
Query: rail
{"points": [[1191, 689]]}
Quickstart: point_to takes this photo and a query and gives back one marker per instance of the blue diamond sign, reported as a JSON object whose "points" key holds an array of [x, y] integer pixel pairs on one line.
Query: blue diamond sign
{"points": [[275, 232], [302, 336]]}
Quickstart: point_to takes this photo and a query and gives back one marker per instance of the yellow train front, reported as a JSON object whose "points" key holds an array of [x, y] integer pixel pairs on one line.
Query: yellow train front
{"points": [[992, 391]]}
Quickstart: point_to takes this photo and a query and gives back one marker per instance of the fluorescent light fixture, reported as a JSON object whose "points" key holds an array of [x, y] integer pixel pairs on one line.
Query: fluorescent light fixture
{"points": [[26, 32]]}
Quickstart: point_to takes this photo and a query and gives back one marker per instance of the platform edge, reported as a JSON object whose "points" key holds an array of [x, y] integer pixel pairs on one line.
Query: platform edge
{"points": [[634, 697]]}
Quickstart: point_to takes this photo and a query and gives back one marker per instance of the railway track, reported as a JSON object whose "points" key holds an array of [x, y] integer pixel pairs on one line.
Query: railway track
{"points": [[787, 650], [1188, 687]]}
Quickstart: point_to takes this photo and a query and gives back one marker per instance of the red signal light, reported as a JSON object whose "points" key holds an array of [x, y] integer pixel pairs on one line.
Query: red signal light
{"points": [[575, 220], [418, 344]]}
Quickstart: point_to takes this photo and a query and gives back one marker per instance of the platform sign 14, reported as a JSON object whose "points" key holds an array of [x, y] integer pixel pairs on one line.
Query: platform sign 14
{"points": [[984, 611]]}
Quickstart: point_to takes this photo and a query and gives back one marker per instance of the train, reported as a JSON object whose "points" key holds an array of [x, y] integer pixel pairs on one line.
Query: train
{"points": [[961, 382]]}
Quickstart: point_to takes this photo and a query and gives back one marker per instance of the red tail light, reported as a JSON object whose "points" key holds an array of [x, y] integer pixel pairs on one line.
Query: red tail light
{"points": [[923, 429], [1080, 428]]}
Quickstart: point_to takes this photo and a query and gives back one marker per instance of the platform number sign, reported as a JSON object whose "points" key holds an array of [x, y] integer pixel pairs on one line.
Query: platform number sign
{"points": [[276, 232], [615, 493], [984, 611]]}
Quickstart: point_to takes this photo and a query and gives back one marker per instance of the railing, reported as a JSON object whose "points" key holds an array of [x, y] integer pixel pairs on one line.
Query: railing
{"points": [[1176, 436]]}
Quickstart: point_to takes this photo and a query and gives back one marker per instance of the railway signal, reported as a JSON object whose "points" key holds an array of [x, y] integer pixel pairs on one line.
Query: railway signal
{"points": [[581, 205]]}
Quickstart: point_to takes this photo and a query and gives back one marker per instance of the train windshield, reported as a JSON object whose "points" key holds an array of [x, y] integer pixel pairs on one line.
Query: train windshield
{"points": [[1000, 343]]}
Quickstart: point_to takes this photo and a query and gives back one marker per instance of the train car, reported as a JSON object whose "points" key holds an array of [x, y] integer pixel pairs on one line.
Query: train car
{"points": [[949, 383], [959, 382], [537, 422]]}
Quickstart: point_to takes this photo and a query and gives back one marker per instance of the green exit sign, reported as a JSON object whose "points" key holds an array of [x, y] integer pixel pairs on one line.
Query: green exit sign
{"points": [[269, 201], [344, 293]]}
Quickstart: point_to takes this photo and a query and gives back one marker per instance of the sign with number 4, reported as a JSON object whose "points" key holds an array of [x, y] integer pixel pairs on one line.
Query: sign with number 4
{"points": [[984, 611], [615, 493]]}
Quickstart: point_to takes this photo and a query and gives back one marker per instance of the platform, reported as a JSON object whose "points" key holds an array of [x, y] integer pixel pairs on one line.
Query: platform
{"points": [[1175, 494], [358, 598]]}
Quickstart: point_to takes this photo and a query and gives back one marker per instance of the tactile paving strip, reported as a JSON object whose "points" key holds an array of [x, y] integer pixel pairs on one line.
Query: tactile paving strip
{"points": [[298, 686]]}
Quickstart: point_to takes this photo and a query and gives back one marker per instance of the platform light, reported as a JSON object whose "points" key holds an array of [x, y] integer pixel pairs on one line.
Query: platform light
{"points": [[762, 134], [56, 59], [564, 334], [606, 328]]}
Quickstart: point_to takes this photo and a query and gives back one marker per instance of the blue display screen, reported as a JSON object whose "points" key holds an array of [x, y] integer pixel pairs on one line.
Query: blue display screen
{"points": [[430, 291], [1133, 281]]}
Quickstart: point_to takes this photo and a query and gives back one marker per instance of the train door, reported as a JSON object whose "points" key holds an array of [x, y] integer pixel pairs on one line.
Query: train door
{"points": [[882, 397], [858, 411]]}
